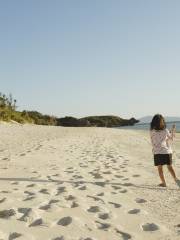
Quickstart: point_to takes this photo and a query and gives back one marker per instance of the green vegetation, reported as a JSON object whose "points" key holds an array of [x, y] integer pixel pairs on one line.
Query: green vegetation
{"points": [[8, 109], [8, 112], [40, 119]]}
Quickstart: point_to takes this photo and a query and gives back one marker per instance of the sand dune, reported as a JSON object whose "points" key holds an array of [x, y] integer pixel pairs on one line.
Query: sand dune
{"points": [[83, 184]]}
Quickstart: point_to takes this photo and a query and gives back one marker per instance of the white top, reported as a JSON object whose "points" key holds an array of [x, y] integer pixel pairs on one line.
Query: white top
{"points": [[160, 141]]}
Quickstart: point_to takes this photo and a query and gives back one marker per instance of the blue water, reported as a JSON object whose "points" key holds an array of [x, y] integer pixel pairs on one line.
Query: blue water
{"points": [[145, 126]]}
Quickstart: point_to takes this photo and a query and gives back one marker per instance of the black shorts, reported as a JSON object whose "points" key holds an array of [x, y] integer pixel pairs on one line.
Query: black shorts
{"points": [[162, 159]]}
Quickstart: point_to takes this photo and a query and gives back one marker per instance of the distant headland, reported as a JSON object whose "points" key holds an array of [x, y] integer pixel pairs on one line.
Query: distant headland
{"points": [[97, 121]]}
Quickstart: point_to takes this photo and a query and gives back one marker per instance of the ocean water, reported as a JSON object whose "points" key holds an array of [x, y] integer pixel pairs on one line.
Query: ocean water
{"points": [[145, 126]]}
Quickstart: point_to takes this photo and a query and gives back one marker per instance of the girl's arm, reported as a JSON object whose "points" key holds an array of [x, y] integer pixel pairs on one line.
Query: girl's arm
{"points": [[171, 134], [151, 137]]}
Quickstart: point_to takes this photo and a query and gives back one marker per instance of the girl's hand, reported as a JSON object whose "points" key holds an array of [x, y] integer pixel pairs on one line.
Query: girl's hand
{"points": [[173, 130], [174, 126]]}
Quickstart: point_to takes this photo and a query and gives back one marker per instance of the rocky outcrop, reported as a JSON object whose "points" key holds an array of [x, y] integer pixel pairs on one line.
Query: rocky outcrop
{"points": [[98, 121], [72, 122]]}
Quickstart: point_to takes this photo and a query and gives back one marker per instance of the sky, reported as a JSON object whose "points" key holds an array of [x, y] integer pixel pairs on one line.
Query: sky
{"points": [[91, 57]]}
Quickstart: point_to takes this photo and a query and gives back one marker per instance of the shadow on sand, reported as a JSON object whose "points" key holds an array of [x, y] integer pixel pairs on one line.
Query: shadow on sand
{"points": [[102, 183]]}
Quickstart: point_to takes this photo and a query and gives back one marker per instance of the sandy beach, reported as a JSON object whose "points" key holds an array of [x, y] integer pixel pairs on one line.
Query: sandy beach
{"points": [[61, 183]]}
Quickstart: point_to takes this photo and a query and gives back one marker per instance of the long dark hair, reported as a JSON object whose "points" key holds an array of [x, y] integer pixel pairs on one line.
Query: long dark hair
{"points": [[158, 123]]}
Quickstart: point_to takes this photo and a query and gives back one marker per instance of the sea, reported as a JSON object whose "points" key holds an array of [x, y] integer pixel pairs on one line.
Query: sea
{"points": [[145, 126]]}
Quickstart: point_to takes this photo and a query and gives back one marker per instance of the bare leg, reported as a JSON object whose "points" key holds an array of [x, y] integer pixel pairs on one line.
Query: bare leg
{"points": [[171, 170], [161, 174]]}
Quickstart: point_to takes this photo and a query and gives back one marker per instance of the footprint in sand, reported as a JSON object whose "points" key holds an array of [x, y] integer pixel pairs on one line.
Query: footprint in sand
{"points": [[107, 172], [134, 211], [83, 166], [97, 175], [116, 187], [103, 216], [59, 182], [5, 159], [121, 166], [87, 238], [31, 185], [53, 201], [56, 175], [93, 209], [118, 176], [30, 193], [68, 171], [116, 205], [150, 227], [59, 238], [74, 205], [114, 193], [60, 190], [77, 177], [140, 200], [29, 198], [45, 207], [128, 184], [22, 154], [3, 191], [37, 222], [6, 214], [125, 179], [2, 200], [65, 221], [103, 226], [123, 191], [28, 215], [15, 183], [96, 198], [100, 194], [82, 188], [101, 184], [70, 168], [44, 191], [70, 198], [14, 235], [124, 235]]}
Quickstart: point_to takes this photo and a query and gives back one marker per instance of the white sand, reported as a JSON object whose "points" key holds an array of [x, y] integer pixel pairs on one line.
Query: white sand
{"points": [[83, 184]]}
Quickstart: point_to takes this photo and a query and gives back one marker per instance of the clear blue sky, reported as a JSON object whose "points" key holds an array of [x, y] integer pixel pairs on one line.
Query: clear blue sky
{"points": [[91, 57]]}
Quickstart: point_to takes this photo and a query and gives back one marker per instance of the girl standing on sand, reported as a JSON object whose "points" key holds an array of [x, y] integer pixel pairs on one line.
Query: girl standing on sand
{"points": [[160, 138]]}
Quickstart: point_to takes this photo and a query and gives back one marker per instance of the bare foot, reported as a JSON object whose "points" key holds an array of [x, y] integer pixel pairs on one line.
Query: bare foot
{"points": [[177, 182], [162, 185]]}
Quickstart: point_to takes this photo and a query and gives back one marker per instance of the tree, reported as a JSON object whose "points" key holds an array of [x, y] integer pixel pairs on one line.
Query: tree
{"points": [[14, 106]]}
